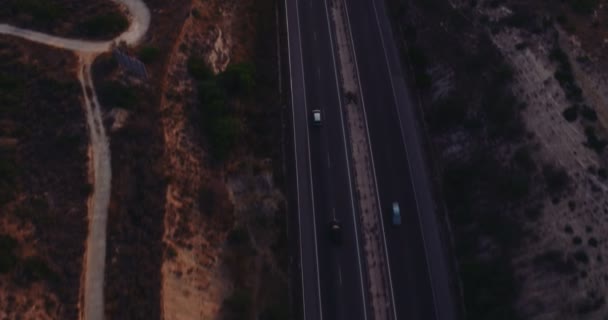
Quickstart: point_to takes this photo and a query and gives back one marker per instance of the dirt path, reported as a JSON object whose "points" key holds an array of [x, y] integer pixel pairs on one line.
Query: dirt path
{"points": [[100, 169]]}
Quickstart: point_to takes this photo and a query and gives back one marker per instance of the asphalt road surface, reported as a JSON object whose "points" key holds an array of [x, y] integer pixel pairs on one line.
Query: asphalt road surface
{"points": [[416, 254], [333, 280]]}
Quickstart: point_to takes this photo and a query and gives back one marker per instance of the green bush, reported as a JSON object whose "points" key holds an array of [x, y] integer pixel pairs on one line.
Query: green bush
{"points": [[116, 94], [238, 79], [239, 304], [571, 113], [555, 261], [593, 141], [12, 93], [8, 179], [211, 96], [512, 185], [43, 12], [8, 260], [36, 269], [523, 159], [206, 198], [148, 54], [238, 236], [556, 179], [104, 25], [8, 170], [276, 311], [448, 113], [223, 134], [198, 69], [487, 285], [588, 113], [583, 6]]}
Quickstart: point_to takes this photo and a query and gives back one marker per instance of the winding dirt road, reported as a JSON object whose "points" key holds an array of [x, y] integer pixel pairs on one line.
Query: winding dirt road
{"points": [[100, 171]]}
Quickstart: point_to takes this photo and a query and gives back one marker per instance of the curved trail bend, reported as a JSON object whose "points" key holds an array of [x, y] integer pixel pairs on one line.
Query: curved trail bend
{"points": [[92, 305]]}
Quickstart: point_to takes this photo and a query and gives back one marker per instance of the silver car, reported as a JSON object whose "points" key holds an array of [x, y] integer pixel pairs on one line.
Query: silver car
{"points": [[316, 117], [396, 214]]}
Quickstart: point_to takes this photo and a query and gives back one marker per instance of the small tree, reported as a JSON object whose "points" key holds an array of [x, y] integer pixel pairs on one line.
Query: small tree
{"points": [[556, 179], [238, 79]]}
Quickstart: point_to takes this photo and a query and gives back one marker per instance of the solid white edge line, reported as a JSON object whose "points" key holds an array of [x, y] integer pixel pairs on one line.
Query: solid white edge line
{"points": [[388, 67], [346, 154], [388, 267], [295, 151], [312, 193]]}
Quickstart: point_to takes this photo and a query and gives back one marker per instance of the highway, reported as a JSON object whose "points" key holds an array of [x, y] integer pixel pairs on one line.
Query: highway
{"points": [[333, 278], [332, 275], [417, 258]]}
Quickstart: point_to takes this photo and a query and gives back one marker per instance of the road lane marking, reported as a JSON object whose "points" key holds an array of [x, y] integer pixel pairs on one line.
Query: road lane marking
{"points": [[350, 189], [296, 159], [388, 267], [312, 194], [295, 151], [388, 67]]}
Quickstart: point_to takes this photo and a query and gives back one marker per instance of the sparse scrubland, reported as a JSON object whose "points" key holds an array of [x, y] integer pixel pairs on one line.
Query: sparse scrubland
{"points": [[516, 130], [43, 182]]}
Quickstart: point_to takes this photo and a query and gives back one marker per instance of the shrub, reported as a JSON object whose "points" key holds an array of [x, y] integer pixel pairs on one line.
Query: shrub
{"points": [[556, 179], [512, 185], [222, 134], [116, 94], [238, 236], [593, 142], [523, 159], [35, 269], [198, 69], [588, 113], [43, 12], [581, 256], [195, 13], [239, 304], [148, 54], [104, 25], [211, 95], [487, 285], [8, 260], [570, 113], [170, 252], [555, 261], [238, 79], [418, 58], [8, 170], [448, 113], [583, 6], [207, 198]]}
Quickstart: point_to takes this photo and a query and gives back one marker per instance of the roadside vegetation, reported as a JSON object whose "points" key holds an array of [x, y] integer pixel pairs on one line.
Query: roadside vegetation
{"points": [[98, 19], [238, 114], [488, 172], [218, 95]]}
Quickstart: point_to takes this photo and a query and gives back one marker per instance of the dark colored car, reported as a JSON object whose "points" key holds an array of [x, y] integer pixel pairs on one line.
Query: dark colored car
{"points": [[335, 231]]}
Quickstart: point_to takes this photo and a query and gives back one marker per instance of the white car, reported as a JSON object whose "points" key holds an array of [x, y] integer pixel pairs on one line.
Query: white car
{"points": [[316, 117]]}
